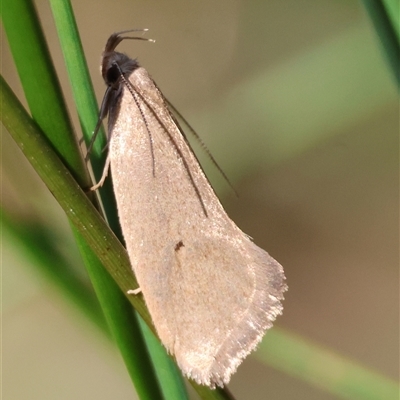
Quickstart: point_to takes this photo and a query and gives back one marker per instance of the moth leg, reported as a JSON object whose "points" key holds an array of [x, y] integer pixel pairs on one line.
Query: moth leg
{"points": [[134, 291], [104, 176]]}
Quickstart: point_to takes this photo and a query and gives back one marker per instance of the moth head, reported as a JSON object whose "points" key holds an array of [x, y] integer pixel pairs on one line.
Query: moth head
{"points": [[115, 64]]}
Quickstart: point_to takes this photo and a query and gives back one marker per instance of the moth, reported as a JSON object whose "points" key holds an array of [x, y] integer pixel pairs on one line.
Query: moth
{"points": [[211, 292]]}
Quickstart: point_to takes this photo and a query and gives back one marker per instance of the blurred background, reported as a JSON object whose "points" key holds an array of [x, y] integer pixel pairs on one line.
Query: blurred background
{"points": [[296, 102]]}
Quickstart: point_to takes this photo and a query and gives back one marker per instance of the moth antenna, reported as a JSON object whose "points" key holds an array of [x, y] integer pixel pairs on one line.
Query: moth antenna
{"points": [[202, 144]]}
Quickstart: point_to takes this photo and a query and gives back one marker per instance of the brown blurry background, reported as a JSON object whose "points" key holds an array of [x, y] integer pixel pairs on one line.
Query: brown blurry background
{"points": [[295, 101]]}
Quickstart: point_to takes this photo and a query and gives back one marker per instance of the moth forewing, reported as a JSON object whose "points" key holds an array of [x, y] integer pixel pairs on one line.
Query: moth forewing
{"points": [[211, 292]]}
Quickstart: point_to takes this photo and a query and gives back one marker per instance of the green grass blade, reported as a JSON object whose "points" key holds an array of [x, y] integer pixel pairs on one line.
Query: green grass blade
{"points": [[44, 97], [387, 32], [123, 323], [40, 83], [340, 376], [166, 368], [393, 10], [79, 78]]}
